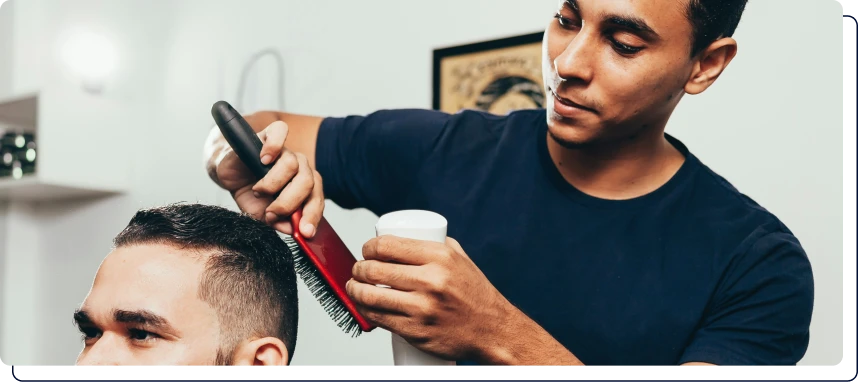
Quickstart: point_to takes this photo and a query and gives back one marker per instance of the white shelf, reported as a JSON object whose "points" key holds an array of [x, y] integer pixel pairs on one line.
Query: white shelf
{"points": [[80, 144], [30, 188]]}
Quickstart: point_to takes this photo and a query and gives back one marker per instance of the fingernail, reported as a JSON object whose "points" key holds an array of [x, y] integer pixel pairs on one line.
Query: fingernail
{"points": [[266, 158], [257, 195], [309, 230], [270, 216]]}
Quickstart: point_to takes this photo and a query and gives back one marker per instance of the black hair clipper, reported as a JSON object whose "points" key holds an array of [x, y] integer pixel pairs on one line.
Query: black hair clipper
{"points": [[240, 137]]}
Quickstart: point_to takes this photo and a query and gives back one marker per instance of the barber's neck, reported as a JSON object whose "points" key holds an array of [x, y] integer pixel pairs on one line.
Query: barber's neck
{"points": [[621, 169]]}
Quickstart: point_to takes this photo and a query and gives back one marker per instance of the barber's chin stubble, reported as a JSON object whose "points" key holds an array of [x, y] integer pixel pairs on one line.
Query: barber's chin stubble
{"points": [[571, 145], [597, 142]]}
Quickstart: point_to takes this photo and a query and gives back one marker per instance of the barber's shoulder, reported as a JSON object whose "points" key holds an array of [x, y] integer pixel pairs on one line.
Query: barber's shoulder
{"points": [[465, 120], [763, 246], [737, 223], [497, 124]]}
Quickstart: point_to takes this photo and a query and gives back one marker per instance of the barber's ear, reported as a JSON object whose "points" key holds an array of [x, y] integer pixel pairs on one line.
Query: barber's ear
{"points": [[268, 351], [710, 64]]}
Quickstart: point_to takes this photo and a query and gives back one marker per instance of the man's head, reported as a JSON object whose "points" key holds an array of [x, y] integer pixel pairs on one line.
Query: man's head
{"points": [[192, 284], [615, 70]]}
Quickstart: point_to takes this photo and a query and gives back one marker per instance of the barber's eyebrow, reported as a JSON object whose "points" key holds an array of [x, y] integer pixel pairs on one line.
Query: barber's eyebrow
{"points": [[144, 318], [632, 24]]}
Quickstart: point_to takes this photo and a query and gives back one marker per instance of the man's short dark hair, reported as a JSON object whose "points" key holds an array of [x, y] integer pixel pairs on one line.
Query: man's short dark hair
{"points": [[713, 19], [249, 277]]}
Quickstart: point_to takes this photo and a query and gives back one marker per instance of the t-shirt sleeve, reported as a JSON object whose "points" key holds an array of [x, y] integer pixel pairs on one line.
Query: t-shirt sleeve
{"points": [[761, 312], [372, 161]]}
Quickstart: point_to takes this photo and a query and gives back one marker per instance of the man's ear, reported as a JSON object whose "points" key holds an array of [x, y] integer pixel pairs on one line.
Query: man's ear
{"points": [[710, 64], [268, 351]]}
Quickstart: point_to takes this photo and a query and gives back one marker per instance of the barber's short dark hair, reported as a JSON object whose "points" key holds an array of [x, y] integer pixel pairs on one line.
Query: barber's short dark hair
{"points": [[249, 277], [713, 19]]}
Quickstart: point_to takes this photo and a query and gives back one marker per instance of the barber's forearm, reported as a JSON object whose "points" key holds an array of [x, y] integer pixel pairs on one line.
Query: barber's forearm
{"points": [[523, 342], [303, 130]]}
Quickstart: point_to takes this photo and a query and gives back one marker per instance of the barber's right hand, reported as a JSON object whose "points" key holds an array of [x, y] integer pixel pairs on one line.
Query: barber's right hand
{"points": [[298, 185]]}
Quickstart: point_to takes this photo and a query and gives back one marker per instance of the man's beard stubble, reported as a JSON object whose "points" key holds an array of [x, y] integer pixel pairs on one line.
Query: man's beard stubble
{"points": [[600, 142], [570, 145]]}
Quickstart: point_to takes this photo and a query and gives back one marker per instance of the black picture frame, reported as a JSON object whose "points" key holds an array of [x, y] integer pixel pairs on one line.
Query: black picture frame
{"points": [[438, 55]]}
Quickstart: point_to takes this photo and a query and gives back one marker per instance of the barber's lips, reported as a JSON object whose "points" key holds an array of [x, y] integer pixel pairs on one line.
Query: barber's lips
{"points": [[566, 108]]}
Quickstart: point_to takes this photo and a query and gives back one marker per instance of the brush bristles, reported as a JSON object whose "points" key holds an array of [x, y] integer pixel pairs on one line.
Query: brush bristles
{"points": [[316, 283]]}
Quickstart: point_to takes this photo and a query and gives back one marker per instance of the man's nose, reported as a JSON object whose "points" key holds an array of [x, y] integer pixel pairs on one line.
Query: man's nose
{"points": [[575, 64]]}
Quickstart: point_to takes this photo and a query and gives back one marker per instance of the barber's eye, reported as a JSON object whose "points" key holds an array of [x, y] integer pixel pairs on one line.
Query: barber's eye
{"points": [[623, 48], [141, 335], [566, 22]]}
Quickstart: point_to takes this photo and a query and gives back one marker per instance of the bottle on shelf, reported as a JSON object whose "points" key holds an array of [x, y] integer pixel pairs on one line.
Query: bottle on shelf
{"points": [[17, 154]]}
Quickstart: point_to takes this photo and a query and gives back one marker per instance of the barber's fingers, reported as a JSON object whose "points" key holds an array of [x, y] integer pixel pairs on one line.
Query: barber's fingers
{"points": [[250, 203], [313, 208], [255, 204], [273, 141], [283, 226], [387, 299], [392, 321], [397, 276], [393, 249], [284, 169], [296, 192]]}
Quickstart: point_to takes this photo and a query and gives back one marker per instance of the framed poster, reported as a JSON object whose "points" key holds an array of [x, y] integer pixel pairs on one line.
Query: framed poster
{"points": [[495, 76]]}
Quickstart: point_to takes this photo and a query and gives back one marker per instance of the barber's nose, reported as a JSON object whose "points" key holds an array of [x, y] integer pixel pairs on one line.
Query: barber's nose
{"points": [[103, 353], [575, 64]]}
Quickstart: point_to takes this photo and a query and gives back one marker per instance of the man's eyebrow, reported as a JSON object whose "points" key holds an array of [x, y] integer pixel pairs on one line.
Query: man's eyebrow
{"points": [[573, 5], [81, 318], [633, 24], [143, 317]]}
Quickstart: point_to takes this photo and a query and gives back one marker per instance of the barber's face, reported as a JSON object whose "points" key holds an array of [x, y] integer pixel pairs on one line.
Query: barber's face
{"points": [[621, 64], [143, 309]]}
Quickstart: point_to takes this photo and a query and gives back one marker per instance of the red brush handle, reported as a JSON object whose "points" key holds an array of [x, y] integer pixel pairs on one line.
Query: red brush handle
{"points": [[333, 260]]}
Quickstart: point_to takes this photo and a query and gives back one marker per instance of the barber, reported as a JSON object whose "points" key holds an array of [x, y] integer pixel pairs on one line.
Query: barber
{"points": [[588, 235]]}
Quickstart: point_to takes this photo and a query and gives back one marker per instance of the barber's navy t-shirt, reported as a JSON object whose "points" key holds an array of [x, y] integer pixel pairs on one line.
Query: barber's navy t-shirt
{"points": [[692, 272]]}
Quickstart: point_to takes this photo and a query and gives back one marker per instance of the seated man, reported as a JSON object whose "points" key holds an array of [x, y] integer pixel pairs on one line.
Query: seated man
{"points": [[195, 285]]}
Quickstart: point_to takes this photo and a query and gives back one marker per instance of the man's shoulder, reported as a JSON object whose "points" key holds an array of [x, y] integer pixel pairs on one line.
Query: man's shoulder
{"points": [[514, 125], [465, 119], [722, 193], [524, 116], [463, 114], [748, 246]]}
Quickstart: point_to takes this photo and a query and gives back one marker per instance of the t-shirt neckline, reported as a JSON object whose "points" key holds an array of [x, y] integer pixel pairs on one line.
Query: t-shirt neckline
{"points": [[681, 177]]}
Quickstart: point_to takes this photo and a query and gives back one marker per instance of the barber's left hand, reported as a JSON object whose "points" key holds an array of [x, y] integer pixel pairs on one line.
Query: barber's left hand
{"points": [[438, 300]]}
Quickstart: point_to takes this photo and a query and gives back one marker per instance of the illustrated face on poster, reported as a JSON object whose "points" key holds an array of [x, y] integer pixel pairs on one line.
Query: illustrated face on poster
{"points": [[496, 76]]}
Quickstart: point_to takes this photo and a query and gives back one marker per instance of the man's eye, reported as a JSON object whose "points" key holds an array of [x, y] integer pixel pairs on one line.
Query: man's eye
{"points": [[565, 22], [623, 48], [90, 334], [141, 335]]}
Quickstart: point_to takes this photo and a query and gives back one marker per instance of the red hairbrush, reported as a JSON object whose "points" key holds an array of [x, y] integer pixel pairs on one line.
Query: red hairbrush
{"points": [[323, 262]]}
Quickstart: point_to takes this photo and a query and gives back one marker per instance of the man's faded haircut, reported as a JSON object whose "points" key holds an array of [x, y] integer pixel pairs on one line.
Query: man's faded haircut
{"points": [[249, 278]]}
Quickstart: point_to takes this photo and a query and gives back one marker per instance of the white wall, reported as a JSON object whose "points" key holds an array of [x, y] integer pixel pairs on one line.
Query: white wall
{"points": [[7, 21], [348, 57], [6, 40]]}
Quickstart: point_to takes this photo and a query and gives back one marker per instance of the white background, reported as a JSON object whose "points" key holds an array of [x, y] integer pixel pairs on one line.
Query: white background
{"points": [[771, 125]]}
